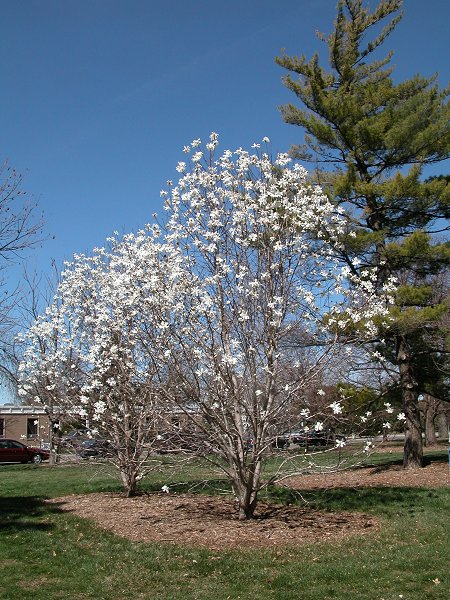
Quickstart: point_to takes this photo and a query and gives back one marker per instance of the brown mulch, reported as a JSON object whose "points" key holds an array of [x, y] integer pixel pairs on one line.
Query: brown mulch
{"points": [[210, 521], [434, 475]]}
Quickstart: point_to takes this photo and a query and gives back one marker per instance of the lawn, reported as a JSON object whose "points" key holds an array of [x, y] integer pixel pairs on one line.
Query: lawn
{"points": [[49, 554]]}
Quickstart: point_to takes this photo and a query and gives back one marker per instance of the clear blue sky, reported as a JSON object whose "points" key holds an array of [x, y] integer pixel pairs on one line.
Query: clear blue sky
{"points": [[100, 96]]}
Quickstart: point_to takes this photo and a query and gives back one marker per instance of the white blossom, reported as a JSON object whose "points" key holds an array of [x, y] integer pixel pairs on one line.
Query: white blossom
{"points": [[248, 247], [368, 447], [336, 407]]}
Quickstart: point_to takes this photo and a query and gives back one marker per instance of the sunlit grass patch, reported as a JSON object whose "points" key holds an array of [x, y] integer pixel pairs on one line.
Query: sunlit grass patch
{"points": [[48, 554]]}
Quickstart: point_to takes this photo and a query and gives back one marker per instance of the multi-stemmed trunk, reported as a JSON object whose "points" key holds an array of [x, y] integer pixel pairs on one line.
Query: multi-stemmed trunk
{"points": [[128, 476], [55, 436], [246, 484], [124, 438]]}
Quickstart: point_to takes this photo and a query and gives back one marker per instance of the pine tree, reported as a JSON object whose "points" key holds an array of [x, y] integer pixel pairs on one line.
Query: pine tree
{"points": [[370, 138]]}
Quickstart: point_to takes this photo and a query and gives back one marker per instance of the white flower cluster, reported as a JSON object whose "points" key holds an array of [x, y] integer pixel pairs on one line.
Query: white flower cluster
{"points": [[104, 337], [247, 250]]}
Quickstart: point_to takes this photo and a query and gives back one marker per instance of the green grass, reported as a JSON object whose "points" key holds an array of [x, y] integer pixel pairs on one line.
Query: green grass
{"points": [[48, 554]]}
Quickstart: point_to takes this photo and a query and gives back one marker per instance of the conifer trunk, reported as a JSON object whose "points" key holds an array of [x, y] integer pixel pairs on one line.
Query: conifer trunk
{"points": [[443, 424], [413, 449], [431, 412]]}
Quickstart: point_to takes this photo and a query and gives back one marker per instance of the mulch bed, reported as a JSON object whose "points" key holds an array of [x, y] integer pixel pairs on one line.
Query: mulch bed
{"points": [[211, 522], [435, 475]]}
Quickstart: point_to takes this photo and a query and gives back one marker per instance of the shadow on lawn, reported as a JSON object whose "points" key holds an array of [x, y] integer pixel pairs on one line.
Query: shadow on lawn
{"points": [[25, 512], [380, 500], [372, 499], [388, 463]]}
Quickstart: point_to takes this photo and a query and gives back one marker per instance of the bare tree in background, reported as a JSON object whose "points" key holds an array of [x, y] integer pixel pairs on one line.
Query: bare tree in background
{"points": [[20, 229]]}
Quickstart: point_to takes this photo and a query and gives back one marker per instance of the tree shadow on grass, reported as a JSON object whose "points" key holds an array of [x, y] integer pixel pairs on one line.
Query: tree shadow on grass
{"points": [[375, 499], [18, 513], [388, 463], [365, 499]]}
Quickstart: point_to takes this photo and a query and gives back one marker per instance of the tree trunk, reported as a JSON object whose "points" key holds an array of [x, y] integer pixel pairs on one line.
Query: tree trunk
{"points": [[245, 485], [247, 504], [129, 480], [431, 411], [55, 436], [430, 431], [413, 449], [443, 424]]}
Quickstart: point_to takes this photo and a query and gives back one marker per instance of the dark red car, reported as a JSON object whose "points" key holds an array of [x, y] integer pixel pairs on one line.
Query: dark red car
{"points": [[12, 451]]}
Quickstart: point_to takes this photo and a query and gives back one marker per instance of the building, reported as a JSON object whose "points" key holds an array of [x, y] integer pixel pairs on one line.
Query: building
{"points": [[27, 424]]}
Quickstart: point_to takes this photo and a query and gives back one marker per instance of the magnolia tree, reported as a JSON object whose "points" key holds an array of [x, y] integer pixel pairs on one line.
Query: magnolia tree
{"points": [[50, 373], [258, 242], [105, 337], [198, 318]]}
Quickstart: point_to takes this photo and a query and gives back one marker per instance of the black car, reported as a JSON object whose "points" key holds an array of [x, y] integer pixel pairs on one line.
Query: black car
{"points": [[93, 447], [74, 438], [280, 442], [303, 437], [312, 437]]}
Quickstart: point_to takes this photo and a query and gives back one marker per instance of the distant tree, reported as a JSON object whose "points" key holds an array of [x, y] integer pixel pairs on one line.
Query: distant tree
{"points": [[362, 130], [20, 229]]}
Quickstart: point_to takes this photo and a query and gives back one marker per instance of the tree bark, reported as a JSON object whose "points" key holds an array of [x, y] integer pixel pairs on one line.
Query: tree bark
{"points": [[129, 481], [55, 436], [247, 504], [443, 424], [413, 449], [246, 478], [431, 410]]}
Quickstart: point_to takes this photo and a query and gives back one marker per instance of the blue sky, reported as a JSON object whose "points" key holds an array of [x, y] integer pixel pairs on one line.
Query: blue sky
{"points": [[100, 96]]}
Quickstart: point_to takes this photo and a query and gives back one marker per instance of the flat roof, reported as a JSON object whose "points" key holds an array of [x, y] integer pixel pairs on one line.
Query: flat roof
{"points": [[22, 410]]}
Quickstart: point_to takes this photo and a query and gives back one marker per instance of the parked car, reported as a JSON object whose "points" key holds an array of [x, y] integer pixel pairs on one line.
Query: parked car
{"points": [[74, 437], [312, 437], [280, 442], [303, 437], [13, 451], [93, 447]]}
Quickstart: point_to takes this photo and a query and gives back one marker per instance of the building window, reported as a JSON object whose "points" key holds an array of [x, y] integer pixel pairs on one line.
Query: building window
{"points": [[2, 427], [32, 428]]}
